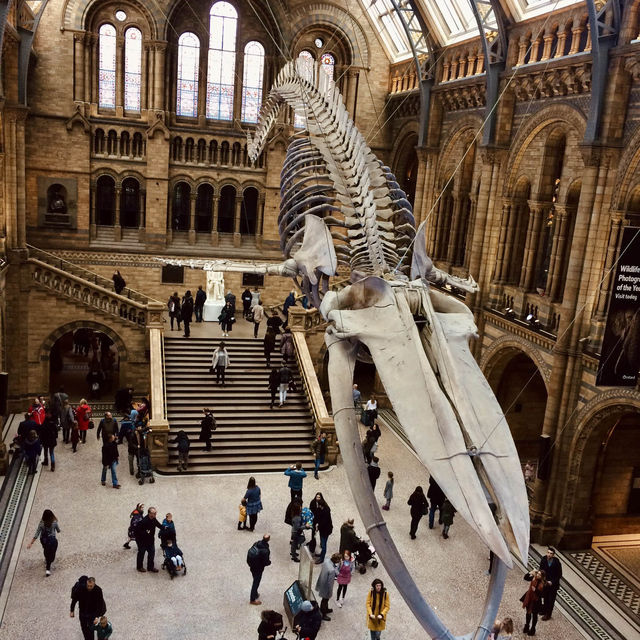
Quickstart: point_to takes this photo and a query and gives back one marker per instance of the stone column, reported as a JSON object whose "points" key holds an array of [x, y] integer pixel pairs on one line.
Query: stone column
{"points": [[237, 238], [89, 72], [557, 252], [453, 230], [546, 50], [96, 72], [469, 237], [192, 217], [159, 55], [260, 220], [119, 76], [116, 226], [142, 217], [576, 34], [531, 245], [214, 222], [92, 214], [502, 241], [158, 438], [562, 39], [79, 68], [352, 91], [615, 230], [144, 89]]}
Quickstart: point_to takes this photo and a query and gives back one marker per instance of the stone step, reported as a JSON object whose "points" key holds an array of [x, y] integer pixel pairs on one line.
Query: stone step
{"points": [[250, 437]]}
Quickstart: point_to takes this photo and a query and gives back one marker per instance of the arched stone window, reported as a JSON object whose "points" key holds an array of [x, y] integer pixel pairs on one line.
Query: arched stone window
{"points": [[132, 68], [518, 231], [202, 151], [112, 143], [105, 201], [249, 211], [180, 207], [204, 208], [226, 209], [213, 152], [98, 141], [223, 21], [130, 203], [306, 64], [224, 152], [137, 146], [176, 152], [188, 65], [327, 73], [107, 67], [125, 143], [252, 81], [188, 150]]}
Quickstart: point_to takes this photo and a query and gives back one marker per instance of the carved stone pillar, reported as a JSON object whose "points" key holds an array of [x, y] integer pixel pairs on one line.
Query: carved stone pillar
{"points": [[615, 227], [117, 228], [79, 68], [94, 66], [352, 91], [576, 34], [192, 218], [141, 217], [480, 63], [546, 49], [158, 81], [502, 240], [260, 220], [562, 39], [469, 237], [119, 76], [92, 214], [144, 89], [453, 231], [237, 238], [445, 70], [522, 50], [531, 245], [89, 72], [558, 248], [214, 222]]}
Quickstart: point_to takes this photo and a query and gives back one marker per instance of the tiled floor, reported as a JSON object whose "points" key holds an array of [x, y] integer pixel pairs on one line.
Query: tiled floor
{"points": [[212, 600]]}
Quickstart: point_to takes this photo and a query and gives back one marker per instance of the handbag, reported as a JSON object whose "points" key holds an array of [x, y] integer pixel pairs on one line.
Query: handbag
{"points": [[250, 316], [312, 544], [91, 425], [425, 509]]}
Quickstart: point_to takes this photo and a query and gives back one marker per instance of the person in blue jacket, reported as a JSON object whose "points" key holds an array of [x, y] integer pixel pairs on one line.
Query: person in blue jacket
{"points": [[296, 476]]}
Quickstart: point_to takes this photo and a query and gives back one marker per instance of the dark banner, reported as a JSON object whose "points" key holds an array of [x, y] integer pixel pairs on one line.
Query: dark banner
{"points": [[620, 355]]}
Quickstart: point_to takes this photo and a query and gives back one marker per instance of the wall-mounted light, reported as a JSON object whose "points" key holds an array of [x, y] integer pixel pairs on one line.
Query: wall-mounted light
{"points": [[509, 313]]}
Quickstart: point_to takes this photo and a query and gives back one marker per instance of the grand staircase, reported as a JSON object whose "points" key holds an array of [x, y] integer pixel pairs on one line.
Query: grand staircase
{"points": [[249, 437]]}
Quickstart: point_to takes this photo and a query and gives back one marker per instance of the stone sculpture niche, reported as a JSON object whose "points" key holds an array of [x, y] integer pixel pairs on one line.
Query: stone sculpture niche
{"points": [[340, 206]]}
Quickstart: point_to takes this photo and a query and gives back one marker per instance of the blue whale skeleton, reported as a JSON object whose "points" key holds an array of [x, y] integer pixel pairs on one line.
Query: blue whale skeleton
{"points": [[342, 209]]}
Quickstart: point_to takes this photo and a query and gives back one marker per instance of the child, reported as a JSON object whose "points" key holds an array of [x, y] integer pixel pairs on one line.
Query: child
{"points": [[388, 491], [103, 628], [75, 437], [242, 516], [134, 518], [446, 517], [168, 531], [174, 555], [344, 576]]}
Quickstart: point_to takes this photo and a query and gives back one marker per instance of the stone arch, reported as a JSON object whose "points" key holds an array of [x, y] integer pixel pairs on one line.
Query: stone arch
{"points": [[128, 173], [336, 18], [463, 127], [628, 171], [54, 336], [408, 130], [76, 12], [600, 409], [559, 112], [504, 348]]}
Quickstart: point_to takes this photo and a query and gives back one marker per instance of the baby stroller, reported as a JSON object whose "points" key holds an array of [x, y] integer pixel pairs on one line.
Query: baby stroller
{"points": [[144, 466], [168, 564], [364, 552]]}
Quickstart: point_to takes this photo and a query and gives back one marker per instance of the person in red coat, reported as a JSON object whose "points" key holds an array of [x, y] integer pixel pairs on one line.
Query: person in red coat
{"points": [[83, 417], [532, 600]]}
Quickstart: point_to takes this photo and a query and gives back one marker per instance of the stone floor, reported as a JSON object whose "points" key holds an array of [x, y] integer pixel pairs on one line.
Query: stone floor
{"points": [[212, 599]]}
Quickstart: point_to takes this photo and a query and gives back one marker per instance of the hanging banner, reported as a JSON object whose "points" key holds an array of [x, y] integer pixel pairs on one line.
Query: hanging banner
{"points": [[620, 354]]}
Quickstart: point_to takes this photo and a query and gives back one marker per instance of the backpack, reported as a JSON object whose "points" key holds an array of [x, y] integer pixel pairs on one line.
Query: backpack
{"points": [[79, 587], [253, 555], [184, 444]]}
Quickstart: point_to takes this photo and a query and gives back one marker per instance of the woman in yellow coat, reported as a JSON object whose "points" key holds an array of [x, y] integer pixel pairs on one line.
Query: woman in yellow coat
{"points": [[377, 608]]}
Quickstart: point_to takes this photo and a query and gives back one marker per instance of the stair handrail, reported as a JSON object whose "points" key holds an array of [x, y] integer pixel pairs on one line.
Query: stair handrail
{"points": [[87, 274], [321, 416]]}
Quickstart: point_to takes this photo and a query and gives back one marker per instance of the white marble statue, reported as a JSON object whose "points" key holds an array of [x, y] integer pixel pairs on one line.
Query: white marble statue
{"points": [[215, 285]]}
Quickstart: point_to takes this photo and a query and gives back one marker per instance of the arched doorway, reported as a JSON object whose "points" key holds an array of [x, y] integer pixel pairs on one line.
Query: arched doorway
{"points": [[86, 363], [611, 465], [521, 392]]}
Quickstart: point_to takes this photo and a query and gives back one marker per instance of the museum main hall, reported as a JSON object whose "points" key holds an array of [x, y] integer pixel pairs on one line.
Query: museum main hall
{"points": [[393, 245]]}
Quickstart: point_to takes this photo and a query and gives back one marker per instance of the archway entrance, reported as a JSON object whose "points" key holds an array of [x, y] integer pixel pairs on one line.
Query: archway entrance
{"points": [[86, 363], [522, 395], [611, 463]]}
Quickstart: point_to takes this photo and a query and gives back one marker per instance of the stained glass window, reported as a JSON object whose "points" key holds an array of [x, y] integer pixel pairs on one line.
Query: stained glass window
{"points": [[327, 67], [107, 67], [222, 61], [252, 81], [132, 69], [188, 64]]}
